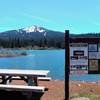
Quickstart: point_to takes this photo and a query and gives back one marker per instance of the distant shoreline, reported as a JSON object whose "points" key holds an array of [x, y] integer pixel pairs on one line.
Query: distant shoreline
{"points": [[32, 48], [9, 54]]}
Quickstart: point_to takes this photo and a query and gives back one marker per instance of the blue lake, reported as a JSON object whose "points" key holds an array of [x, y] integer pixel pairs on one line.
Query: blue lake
{"points": [[86, 77], [53, 60]]}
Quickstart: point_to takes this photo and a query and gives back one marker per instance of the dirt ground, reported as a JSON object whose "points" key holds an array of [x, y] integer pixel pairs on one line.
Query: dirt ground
{"points": [[56, 89], [84, 87]]}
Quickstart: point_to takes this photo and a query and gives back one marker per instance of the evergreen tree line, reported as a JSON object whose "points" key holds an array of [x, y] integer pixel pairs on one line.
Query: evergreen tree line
{"points": [[86, 35], [8, 42]]}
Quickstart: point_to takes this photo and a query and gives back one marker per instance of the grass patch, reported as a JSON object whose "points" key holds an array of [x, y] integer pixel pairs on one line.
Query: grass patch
{"points": [[91, 96], [74, 95]]}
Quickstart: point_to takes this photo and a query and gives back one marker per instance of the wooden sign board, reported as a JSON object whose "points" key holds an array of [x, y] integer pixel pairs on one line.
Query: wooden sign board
{"points": [[84, 55], [78, 57]]}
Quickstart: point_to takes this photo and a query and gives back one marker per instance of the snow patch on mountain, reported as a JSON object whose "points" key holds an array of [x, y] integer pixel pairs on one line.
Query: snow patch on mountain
{"points": [[33, 29], [20, 31]]}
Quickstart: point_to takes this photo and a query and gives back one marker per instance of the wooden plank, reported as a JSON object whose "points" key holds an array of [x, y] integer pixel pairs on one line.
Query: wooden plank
{"points": [[39, 78], [23, 72], [22, 88], [44, 78]]}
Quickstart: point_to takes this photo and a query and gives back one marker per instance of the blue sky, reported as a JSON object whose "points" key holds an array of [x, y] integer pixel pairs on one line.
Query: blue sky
{"points": [[78, 16]]}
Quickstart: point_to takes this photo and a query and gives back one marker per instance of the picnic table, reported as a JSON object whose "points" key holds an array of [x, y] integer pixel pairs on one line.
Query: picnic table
{"points": [[29, 76]]}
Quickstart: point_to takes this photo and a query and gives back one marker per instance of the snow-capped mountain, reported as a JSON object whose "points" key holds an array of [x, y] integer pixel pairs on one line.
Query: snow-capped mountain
{"points": [[33, 32], [31, 36]]}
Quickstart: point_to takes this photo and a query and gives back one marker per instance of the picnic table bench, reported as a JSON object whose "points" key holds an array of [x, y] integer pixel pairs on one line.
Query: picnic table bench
{"points": [[22, 88]]}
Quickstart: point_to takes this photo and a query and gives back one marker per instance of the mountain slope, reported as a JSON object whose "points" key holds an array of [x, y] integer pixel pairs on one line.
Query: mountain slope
{"points": [[34, 34]]}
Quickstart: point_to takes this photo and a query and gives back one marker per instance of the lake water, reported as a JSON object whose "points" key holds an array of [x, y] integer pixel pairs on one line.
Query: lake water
{"points": [[86, 77], [53, 60]]}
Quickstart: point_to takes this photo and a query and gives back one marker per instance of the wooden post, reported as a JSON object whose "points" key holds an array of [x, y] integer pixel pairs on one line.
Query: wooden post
{"points": [[67, 64]]}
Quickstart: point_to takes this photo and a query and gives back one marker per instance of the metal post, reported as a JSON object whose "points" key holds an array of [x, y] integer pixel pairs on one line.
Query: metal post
{"points": [[67, 64]]}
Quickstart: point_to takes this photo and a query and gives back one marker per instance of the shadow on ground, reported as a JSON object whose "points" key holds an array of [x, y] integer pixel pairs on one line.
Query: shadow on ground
{"points": [[12, 95]]}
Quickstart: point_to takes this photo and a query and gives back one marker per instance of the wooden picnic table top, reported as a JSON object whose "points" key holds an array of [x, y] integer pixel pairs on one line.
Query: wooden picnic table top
{"points": [[24, 72]]}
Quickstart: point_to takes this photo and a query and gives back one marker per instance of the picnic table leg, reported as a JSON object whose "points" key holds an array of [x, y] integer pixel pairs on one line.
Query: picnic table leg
{"points": [[24, 78], [5, 79], [35, 81], [30, 80]]}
